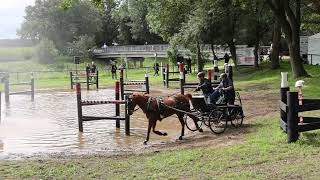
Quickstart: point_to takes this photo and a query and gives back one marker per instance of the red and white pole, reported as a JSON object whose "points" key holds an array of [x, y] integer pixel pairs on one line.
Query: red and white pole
{"points": [[299, 84]]}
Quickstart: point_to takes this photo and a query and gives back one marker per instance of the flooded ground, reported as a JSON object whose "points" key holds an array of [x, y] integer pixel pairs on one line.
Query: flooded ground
{"points": [[49, 125]]}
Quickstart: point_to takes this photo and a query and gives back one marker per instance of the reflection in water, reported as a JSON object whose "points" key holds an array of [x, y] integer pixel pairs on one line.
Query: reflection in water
{"points": [[49, 125]]}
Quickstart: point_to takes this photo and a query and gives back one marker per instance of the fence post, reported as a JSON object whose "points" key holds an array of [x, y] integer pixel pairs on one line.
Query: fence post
{"points": [[117, 97], [32, 88], [147, 83], [127, 117], [88, 85], [79, 105], [283, 94], [164, 76], [71, 79], [97, 79], [181, 69], [226, 68], [121, 84], [6, 89], [167, 76], [209, 74], [292, 114], [215, 70], [230, 71]]}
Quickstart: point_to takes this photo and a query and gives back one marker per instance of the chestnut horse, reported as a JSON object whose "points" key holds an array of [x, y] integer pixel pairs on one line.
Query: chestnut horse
{"points": [[151, 107]]}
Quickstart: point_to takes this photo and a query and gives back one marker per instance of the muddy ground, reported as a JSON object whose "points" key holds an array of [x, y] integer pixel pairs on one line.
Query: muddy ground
{"points": [[256, 103]]}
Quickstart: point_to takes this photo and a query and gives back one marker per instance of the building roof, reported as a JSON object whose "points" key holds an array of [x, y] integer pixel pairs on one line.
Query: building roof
{"points": [[316, 36]]}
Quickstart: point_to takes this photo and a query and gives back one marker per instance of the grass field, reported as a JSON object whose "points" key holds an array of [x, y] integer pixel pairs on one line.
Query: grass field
{"points": [[260, 153]]}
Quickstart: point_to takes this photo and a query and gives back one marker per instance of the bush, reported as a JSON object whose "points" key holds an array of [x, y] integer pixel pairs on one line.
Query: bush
{"points": [[46, 52]]}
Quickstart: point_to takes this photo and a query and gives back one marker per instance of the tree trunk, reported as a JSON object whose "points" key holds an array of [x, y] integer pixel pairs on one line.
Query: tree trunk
{"points": [[213, 52], [276, 45], [233, 52], [199, 59], [290, 24], [295, 59], [256, 55]]}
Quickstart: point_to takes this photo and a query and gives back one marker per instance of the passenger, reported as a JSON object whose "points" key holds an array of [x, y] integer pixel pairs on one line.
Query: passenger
{"points": [[226, 85]]}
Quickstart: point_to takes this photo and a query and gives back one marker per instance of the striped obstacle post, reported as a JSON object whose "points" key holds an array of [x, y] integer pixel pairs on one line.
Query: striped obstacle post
{"points": [[121, 84], [215, 70], [71, 80], [299, 84], [182, 77], [117, 97], [283, 98], [209, 75], [164, 76], [167, 76], [79, 106], [146, 76]]}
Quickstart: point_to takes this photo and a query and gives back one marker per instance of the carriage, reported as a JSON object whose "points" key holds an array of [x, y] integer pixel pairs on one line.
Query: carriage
{"points": [[215, 116]]}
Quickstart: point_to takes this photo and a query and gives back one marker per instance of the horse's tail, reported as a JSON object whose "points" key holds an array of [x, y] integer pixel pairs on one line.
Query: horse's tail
{"points": [[189, 96]]}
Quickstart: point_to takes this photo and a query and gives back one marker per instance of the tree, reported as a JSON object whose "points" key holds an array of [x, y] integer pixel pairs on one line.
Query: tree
{"points": [[47, 19], [81, 46], [289, 18]]}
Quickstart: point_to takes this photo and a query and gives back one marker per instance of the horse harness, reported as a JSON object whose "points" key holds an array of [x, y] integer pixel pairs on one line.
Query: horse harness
{"points": [[161, 107]]}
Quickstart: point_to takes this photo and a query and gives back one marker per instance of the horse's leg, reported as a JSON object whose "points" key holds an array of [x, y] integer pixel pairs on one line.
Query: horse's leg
{"points": [[182, 125], [158, 132], [151, 121], [195, 119]]}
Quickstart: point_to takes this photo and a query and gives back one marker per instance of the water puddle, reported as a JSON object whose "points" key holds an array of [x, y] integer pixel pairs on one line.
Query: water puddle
{"points": [[49, 125]]}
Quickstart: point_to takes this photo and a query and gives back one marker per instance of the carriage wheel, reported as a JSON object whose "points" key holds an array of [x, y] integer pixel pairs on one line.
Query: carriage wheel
{"points": [[217, 124], [190, 123], [236, 117]]}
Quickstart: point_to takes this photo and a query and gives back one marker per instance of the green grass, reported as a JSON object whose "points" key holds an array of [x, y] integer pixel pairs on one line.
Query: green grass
{"points": [[21, 53]]}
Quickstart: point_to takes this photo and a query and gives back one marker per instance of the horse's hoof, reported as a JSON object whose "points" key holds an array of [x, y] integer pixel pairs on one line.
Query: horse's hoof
{"points": [[200, 130], [180, 138], [145, 142], [164, 134]]}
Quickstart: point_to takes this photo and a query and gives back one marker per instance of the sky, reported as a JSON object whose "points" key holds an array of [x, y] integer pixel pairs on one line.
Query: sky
{"points": [[11, 17]]}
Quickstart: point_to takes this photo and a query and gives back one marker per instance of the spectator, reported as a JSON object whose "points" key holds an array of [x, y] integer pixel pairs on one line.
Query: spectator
{"points": [[226, 58], [156, 69], [93, 67], [189, 65], [114, 71], [88, 68]]}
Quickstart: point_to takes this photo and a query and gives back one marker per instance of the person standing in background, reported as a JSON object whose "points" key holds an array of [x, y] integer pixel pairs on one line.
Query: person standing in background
{"points": [[114, 70]]}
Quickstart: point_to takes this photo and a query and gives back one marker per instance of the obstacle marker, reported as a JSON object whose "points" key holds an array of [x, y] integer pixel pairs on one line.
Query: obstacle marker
{"points": [[116, 102], [166, 75], [289, 112], [88, 78], [136, 83]]}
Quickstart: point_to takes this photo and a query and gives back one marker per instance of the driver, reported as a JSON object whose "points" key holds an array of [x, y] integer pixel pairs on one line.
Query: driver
{"points": [[206, 87]]}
